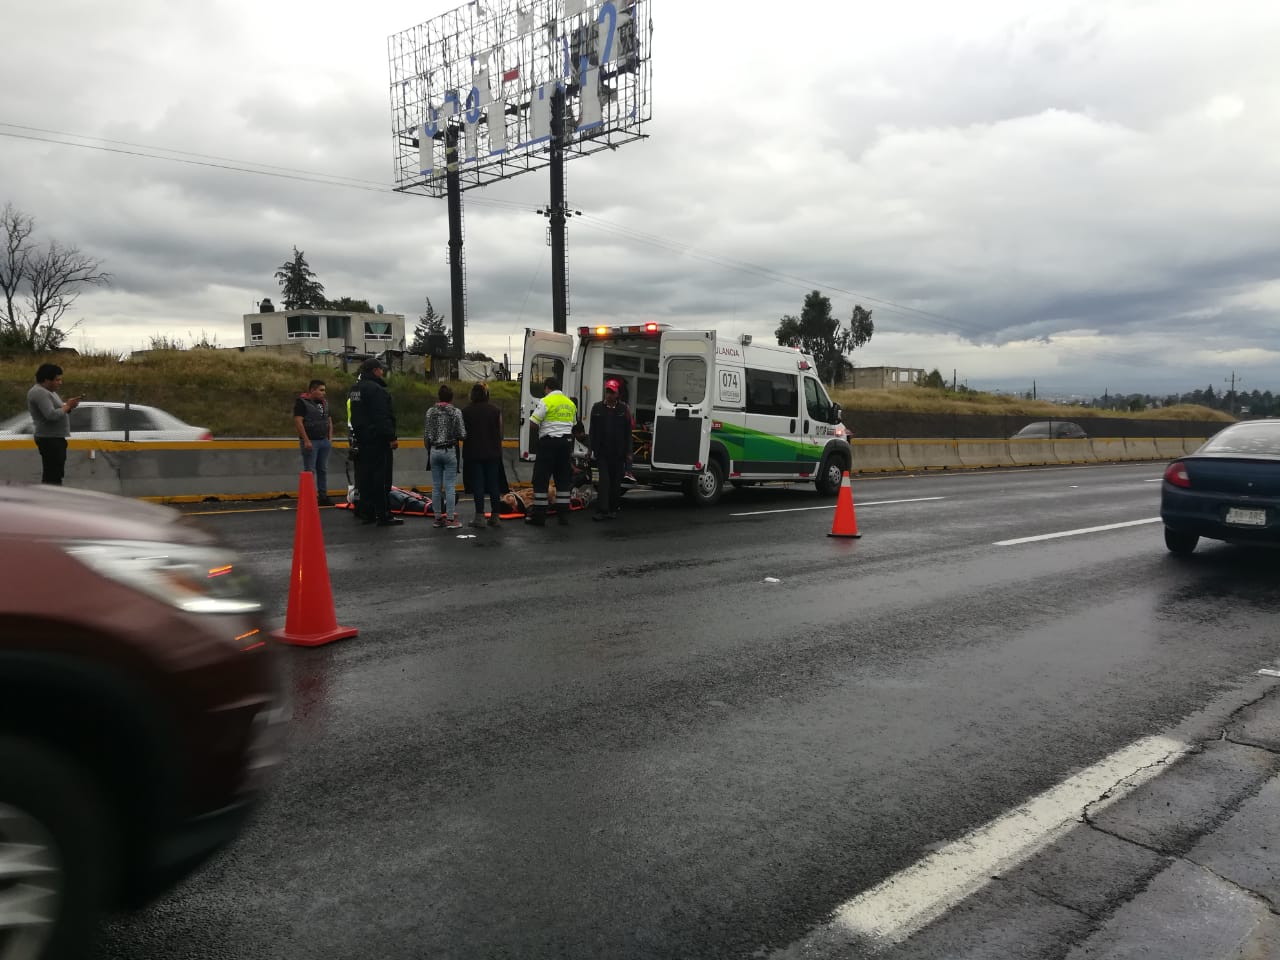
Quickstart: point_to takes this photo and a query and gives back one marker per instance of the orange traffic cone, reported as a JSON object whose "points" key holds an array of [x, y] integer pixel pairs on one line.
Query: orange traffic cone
{"points": [[310, 619], [845, 523]]}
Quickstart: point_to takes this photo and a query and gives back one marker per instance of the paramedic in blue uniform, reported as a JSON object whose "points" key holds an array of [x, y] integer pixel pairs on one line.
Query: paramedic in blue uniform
{"points": [[554, 417]]}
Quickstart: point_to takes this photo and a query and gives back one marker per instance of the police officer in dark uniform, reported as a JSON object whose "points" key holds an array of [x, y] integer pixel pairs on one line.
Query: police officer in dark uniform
{"points": [[373, 422]]}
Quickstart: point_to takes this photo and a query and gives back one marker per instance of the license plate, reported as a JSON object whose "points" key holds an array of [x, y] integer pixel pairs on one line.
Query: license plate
{"points": [[1247, 518]]}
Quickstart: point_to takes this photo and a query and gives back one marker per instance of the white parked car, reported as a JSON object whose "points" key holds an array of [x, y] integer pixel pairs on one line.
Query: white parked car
{"points": [[105, 420]]}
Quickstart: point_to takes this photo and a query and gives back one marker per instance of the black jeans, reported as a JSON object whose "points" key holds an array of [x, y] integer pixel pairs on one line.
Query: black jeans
{"points": [[53, 459], [373, 480], [484, 480], [610, 485]]}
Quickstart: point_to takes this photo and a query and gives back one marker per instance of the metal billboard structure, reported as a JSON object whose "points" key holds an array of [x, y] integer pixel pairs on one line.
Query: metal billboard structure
{"points": [[494, 89], [489, 73]]}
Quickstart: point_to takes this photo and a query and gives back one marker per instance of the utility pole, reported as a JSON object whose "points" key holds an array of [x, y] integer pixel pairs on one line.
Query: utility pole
{"points": [[558, 212], [1232, 394], [559, 273], [953, 379], [457, 268]]}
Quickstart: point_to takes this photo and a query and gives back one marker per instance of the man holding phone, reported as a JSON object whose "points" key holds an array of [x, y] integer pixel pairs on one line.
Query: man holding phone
{"points": [[50, 417]]}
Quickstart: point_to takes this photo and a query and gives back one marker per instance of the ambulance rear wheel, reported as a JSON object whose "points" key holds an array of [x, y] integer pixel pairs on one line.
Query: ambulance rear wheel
{"points": [[830, 474], [704, 489]]}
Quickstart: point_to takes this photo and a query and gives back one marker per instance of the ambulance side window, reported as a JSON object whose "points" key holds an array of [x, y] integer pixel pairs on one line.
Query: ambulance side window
{"points": [[539, 370], [772, 394], [816, 401]]}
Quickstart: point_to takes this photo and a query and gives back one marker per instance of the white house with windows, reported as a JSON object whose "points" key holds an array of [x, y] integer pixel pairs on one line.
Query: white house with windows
{"points": [[334, 331]]}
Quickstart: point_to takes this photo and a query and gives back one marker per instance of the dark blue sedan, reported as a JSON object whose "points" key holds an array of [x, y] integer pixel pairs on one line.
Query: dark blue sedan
{"points": [[1229, 489]]}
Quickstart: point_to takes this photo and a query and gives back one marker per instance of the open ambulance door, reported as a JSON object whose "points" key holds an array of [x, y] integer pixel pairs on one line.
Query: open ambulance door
{"points": [[682, 419], [546, 354]]}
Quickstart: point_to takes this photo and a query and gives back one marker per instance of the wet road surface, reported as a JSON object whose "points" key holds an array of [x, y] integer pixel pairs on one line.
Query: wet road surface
{"points": [[619, 740]]}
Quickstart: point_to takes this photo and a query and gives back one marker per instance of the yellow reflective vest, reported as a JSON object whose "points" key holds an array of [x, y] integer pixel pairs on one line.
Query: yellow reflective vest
{"points": [[555, 415]]}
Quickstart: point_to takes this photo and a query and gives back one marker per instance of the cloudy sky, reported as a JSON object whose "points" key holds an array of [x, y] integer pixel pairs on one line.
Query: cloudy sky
{"points": [[1084, 194]]}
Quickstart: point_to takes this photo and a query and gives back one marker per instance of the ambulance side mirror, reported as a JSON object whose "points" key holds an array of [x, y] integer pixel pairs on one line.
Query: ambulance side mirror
{"points": [[837, 415]]}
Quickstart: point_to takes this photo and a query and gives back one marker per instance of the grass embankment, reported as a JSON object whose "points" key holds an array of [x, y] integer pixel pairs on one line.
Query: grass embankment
{"points": [[233, 394], [238, 394], [925, 400]]}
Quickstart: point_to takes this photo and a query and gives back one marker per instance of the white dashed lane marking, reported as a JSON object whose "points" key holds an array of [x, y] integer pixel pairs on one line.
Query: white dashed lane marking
{"points": [[1075, 533], [832, 506]]}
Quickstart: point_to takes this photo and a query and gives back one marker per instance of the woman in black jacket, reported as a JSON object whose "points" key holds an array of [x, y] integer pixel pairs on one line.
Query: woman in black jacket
{"points": [[482, 453]]}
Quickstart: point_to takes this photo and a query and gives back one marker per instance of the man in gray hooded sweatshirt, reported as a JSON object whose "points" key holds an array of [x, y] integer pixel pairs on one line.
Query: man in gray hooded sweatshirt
{"points": [[51, 421]]}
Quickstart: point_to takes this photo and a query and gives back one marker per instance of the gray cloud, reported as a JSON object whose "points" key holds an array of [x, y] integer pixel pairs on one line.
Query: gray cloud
{"points": [[1081, 192]]}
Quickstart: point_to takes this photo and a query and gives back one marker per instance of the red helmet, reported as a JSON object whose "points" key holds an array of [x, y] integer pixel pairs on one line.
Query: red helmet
{"points": [[613, 385]]}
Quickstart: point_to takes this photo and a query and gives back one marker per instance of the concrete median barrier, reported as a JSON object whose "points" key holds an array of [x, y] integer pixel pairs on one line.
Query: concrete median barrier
{"points": [[929, 454], [264, 469], [874, 455], [1109, 449], [1073, 451], [1141, 448], [984, 453], [1031, 453], [212, 470]]}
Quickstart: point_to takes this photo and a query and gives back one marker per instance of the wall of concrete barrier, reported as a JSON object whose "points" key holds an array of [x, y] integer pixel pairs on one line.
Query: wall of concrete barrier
{"points": [[253, 469], [213, 469]]}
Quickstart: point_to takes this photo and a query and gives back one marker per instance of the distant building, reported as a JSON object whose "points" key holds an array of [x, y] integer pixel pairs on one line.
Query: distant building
{"points": [[886, 378], [326, 331]]}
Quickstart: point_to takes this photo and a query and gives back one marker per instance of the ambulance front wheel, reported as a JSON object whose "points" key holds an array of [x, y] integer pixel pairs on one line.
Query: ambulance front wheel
{"points": [[830, 474], [704, 489]]}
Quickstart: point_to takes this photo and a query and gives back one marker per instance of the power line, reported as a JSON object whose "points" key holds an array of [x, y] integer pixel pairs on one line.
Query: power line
{"points": [[192, 158], [187, 153], [196, 163]]}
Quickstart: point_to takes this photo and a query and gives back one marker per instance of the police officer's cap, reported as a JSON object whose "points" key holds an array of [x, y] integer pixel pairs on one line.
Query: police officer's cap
{"points": [[371, 365]]}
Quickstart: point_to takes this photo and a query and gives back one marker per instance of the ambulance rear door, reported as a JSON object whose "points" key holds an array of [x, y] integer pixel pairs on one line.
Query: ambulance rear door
{"points": [[682, 420], [546, 354]]}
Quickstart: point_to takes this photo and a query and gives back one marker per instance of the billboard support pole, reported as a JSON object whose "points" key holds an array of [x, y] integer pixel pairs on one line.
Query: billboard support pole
{"points": [[457, 275], [559, 269]]}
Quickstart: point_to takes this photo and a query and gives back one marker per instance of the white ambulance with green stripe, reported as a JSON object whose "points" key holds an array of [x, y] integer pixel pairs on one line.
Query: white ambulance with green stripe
{"points": [[707, 409]]}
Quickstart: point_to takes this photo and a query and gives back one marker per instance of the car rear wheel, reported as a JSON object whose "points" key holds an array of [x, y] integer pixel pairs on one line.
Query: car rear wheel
{"points": [[1179, 542], [54, 854], [704, 489]]}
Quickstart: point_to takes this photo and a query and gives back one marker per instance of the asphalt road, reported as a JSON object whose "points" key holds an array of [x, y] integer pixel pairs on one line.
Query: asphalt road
{"points": [[627, 740]]}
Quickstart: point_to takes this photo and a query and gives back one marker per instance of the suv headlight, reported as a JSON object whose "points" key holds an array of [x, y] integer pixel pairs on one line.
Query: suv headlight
{"points": [[197, 579]]}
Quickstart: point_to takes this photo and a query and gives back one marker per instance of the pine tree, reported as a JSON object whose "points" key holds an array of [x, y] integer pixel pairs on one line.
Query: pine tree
{"points": [[300, 288], [428, 333]]}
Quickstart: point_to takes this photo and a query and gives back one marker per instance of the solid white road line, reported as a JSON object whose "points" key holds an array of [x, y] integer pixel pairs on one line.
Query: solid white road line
{"points": [[1075, 533], [1268, 672], [904, 903], [832, 506]]}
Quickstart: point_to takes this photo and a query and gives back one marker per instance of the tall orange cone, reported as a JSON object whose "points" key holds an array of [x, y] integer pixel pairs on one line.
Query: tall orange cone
{"points": [[310, 620], [845, 523]]}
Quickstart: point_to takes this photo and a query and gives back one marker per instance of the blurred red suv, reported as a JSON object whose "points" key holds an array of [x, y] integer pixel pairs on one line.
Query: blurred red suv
{"points": [[139, 709]]}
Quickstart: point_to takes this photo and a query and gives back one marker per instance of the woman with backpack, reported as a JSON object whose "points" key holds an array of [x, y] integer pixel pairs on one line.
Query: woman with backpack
{"points": [[443, 432]]}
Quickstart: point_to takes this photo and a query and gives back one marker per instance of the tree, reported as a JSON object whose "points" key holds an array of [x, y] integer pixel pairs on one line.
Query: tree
{"points": [[478, 355], [818, 333], [301, 289], [39, 285], [428, 333], [934, 380], [347, 303]]}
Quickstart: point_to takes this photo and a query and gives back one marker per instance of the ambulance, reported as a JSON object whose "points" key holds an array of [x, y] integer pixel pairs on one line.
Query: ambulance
{"points": [[707, 408]]}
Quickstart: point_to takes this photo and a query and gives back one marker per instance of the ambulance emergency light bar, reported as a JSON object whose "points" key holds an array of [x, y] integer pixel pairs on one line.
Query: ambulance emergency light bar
{"points": [[629, 331], [472, 89]]}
